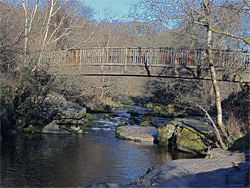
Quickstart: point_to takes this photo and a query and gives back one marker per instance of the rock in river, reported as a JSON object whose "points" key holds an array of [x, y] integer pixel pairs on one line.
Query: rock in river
{"points": [[141, 134], [185, 134], [54, 128]]}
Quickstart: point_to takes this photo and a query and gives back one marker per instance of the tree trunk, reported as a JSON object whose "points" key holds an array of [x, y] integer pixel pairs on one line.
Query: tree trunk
{"points": [[215, 84]]}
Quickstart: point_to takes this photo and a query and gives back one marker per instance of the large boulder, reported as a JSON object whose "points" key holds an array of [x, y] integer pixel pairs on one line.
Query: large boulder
{"points": [[65, 115], [60, 108], [185, 134], [189, 140], [165, 133], [136, 133]]}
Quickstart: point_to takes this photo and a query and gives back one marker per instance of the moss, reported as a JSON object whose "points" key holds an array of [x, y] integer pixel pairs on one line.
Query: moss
{"points": [[121, 137], [133, 121], [147, 117], [131, 100], [149, 105], [165, 134], [146, 123], [84, 128], [171, 108], [137, 108], [190, 140], [102, 108], [125, 138], [89, 116], [105, 116], [157, 109], [89, 124], [122, 124], [29, 129], [126, 106]]}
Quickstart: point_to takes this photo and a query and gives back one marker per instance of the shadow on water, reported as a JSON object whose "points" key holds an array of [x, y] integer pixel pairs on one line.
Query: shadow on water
{"points": [[77, 160]]}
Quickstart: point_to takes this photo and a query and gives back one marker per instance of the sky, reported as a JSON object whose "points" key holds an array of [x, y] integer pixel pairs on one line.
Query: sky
{"points": [[120, 6]]}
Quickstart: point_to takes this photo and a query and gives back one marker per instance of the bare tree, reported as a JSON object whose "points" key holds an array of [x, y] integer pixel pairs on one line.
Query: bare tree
{"points": [[30, 9], [212, 16]]}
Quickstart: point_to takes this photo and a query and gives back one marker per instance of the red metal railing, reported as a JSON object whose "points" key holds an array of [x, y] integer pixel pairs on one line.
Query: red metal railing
{"points": [[153, 56]]}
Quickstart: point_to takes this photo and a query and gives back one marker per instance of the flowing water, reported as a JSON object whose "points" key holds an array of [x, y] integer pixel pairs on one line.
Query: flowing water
{"points": [[51, 160]]}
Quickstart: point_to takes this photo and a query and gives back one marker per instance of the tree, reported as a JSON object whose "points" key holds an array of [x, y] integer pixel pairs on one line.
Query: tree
{"points": [[214, 19], [11, 36], [30, 9]]}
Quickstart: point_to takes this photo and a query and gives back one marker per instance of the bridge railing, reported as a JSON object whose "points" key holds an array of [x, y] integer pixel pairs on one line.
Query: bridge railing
{"points": [[148, 56]]}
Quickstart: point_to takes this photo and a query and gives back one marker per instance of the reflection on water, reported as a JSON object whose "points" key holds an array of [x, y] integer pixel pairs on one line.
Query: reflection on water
{"points": [[77, 160]]}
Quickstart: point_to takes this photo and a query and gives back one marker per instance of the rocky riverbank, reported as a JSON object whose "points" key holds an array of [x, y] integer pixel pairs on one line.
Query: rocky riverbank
{"points": [[189, 134], [55, 115], [224, 169], [220, 169]]}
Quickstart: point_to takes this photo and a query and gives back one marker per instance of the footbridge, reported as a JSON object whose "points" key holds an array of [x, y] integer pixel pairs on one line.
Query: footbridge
{"points": [[155, 62]]}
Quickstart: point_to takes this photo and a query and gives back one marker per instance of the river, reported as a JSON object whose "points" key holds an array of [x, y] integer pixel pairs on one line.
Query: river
{"points": [[50, 160]]}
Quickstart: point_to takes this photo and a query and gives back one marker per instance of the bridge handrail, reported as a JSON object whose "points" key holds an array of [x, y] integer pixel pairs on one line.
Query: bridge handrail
{"points": [[148, 55]]}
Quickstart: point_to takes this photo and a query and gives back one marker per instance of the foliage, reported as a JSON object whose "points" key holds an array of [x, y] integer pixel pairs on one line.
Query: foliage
{"points": [[106, 116], [237, 108], [29, 129], [122, 124], [89, 116]]}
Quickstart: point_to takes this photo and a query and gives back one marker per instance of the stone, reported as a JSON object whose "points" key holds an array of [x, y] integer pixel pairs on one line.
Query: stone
{"points": [[54, 128], [220, 172], [76, 129], [72, 111], [71, 121], [189, 140], [165, 133], [200, 124], [136, 133], [218, 153], [185, 134], [63, 109], [80, 132]]}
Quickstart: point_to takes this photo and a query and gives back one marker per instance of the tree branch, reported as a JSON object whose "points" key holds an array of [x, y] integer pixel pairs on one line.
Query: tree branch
{"points": [[230, 35]]}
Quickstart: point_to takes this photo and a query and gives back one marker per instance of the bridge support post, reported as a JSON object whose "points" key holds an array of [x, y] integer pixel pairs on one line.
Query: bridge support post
{"points": [[126, 60], [102, 68]]}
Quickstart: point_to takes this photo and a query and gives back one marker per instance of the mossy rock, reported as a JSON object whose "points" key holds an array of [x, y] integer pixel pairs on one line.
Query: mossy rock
{"points": [[149, 105], [168, 111], [106, 116], [189, 140], [165, 133], [146, 123], [171, 108], [157, 109], [147, 117], [133, 121], [126, 106], [102, 108], [137, 108]]}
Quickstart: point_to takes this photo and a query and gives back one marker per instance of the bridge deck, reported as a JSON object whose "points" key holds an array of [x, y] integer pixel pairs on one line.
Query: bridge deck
{"points": [[166, 62]]}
